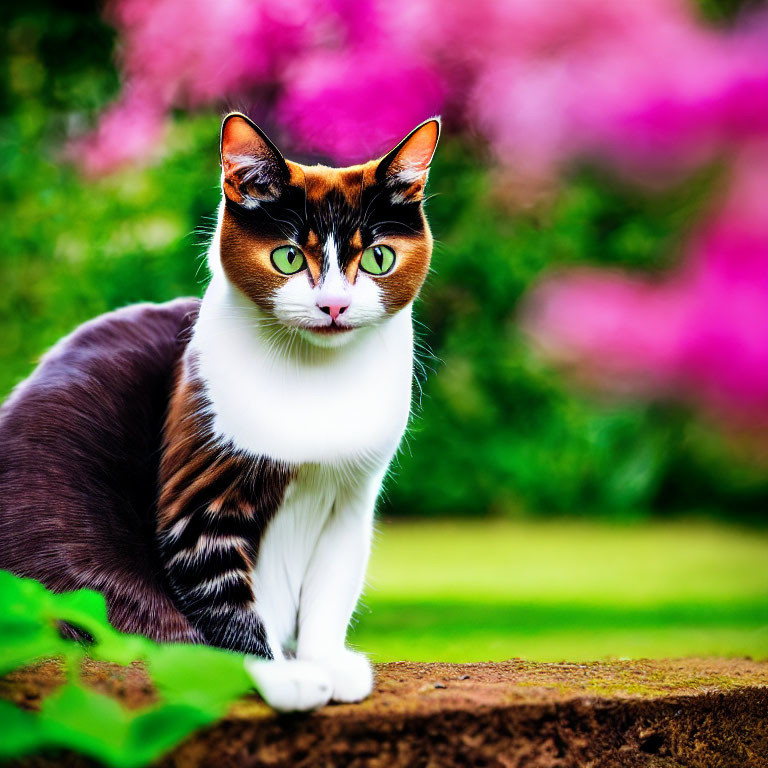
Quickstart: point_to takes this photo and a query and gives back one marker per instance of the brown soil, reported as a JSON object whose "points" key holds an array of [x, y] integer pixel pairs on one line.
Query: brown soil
{"points": [[660, 714]]}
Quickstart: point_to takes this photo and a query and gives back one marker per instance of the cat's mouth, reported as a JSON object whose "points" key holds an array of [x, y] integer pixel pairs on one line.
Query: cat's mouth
{"points": [[328, 335], [331, 330]]}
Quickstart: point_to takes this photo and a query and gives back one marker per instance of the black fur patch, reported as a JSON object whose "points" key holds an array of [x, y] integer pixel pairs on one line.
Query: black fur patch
{"points": [[80, 445], [292, 216]]}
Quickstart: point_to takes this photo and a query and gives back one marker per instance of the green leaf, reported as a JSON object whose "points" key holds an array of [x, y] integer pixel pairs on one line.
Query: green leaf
{"points": [[21, 731], [93, 724], [197, 682], [28, 630], [208, 678], [87, 609], [155, 732]]}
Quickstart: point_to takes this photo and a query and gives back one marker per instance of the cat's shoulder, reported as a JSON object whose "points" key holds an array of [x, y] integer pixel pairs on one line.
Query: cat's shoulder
{"points": [[114, 350], [141, 326]]}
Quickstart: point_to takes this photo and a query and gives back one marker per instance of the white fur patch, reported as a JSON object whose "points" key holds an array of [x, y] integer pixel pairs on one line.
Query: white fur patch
{"points": [[331, 252], [177, 529], [290, 686], [206, 544], [310, 573], [408, 175], [284, 554], [278, 396], [214, 584]]}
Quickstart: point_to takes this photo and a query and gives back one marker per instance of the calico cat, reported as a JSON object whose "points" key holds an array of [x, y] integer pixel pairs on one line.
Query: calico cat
{"points": [[212, 467]]}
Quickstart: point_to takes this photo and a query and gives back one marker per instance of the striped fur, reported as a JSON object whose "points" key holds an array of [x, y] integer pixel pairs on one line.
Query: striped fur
{"points": [[215, 504]]}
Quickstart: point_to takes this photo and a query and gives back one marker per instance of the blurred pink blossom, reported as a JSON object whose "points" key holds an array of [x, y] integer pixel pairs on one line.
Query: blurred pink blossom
{"points": [[702, 331], [129, 130], [642, 85], [647, 89], [349, 93], [645, 86], [189, 53]]}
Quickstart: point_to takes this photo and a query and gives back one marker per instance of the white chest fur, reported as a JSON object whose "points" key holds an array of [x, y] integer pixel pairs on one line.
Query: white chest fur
{"points": [[275, 398], [336, 416]]}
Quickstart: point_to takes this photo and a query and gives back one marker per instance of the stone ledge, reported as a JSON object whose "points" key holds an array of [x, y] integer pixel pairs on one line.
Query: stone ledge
{"points": [[665, 713]]}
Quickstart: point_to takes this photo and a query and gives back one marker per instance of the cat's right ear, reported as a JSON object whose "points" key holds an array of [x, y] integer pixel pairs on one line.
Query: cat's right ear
{"points": [[253, 169], [404, 170]]}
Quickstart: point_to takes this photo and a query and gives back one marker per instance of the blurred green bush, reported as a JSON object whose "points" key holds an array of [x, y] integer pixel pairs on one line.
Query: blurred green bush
{"points": [[496, 432]]}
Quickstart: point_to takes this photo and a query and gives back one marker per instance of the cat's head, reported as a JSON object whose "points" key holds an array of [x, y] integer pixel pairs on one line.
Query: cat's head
{"points": [[324, 250]]}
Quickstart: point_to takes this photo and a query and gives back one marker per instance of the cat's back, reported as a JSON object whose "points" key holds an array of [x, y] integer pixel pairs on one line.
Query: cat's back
{"points": [[79, 452]]}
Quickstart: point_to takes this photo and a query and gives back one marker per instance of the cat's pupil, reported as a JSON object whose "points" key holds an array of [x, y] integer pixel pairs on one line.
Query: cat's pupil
{"points": [[291, 256], [379, 256]]}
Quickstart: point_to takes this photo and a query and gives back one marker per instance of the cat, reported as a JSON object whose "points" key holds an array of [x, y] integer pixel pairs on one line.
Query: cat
{"points": [[212, 466]]}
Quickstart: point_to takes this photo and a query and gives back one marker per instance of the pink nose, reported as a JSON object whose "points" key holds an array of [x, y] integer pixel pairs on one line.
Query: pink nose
{"points": [[339, 307]]}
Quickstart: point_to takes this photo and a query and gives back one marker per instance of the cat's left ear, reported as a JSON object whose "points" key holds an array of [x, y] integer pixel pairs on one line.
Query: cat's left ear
{"points": [[406, 167], [252, 167]]}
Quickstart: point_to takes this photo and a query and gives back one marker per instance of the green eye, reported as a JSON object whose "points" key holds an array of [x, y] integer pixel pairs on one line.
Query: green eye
{"points": [[377, 260], [288, 259]]}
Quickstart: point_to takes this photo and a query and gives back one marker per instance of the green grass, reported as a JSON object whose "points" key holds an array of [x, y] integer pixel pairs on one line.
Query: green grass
{"points": [[475, 591]]}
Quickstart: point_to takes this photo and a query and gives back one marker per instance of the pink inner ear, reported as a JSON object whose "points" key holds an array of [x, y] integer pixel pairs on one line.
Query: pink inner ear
{"points": [[238, 140], [417, 152]]}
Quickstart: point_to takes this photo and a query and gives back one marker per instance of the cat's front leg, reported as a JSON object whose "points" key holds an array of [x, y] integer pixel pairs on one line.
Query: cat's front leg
{"points": [[332, 587], [207, 559]]}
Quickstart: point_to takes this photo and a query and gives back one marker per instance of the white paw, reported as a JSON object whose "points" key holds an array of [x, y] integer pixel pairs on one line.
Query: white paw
{"points": [[292, 685], [351, 675]]}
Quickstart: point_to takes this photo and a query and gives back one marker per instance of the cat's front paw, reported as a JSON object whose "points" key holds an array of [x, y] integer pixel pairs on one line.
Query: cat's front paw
{"points": [[291, 685], [351, 675]]}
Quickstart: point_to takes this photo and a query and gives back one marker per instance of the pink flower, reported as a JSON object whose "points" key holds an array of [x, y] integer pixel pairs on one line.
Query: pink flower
{"points": [[701, 332], [642, 85], [350, 108], [129, 131]]}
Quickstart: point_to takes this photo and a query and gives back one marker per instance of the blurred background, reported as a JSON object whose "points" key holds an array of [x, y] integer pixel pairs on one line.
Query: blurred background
{"points": [[586, 473]]}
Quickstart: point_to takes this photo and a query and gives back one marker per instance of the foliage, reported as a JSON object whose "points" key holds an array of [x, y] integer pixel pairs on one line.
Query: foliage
{"points": [[73, 250], [196, 683], [522, 440]]}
